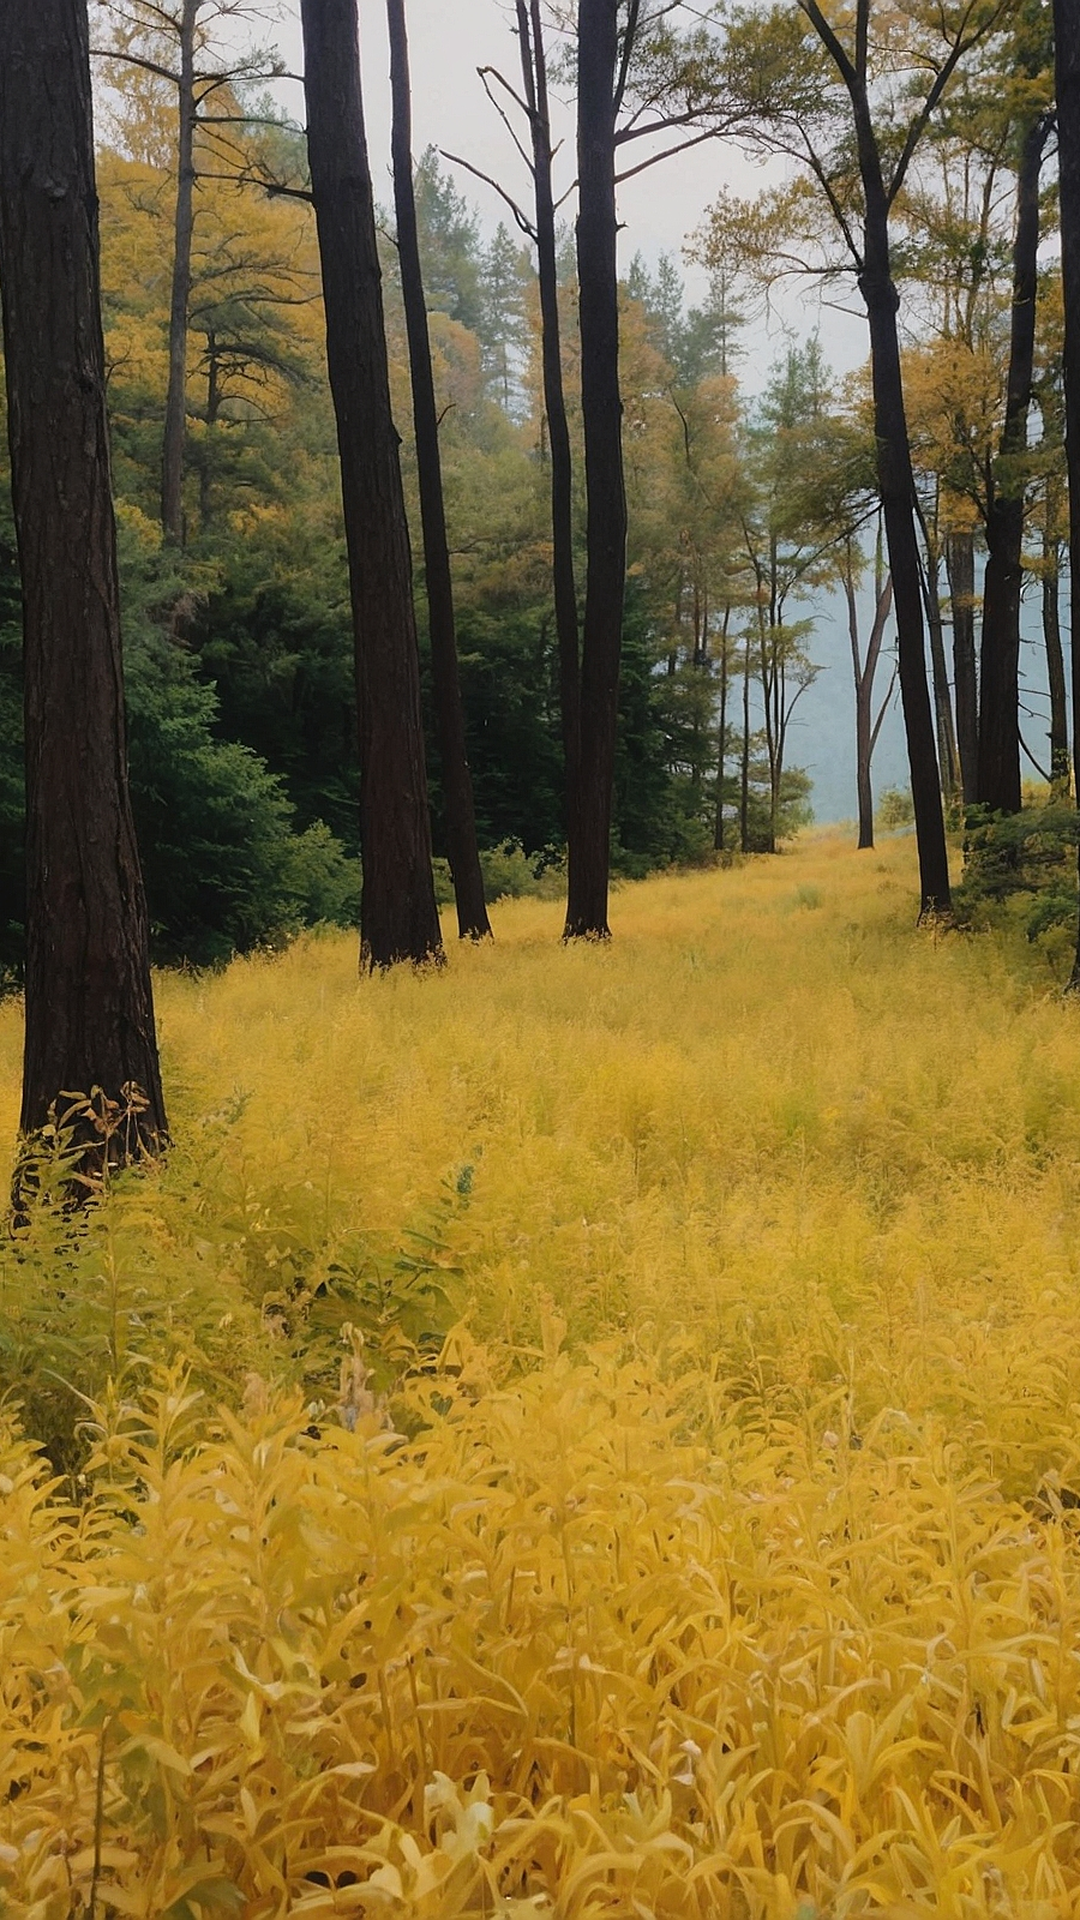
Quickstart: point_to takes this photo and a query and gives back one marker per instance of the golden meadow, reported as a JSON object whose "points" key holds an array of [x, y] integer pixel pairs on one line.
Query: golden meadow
{"points": [[584, 1433]]}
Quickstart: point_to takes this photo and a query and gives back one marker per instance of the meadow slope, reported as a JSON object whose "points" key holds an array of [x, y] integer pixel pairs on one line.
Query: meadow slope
{"points": [[704, 1538]]}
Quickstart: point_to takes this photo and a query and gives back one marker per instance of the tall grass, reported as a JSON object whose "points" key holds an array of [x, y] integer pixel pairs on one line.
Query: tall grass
{"points": [[722, 1560]]}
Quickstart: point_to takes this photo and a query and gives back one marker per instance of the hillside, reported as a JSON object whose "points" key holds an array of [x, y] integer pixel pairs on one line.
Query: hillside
{"points": [[702, 1539]]}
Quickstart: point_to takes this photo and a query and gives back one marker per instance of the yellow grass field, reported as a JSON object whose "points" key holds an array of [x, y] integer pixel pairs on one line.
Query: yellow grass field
{"points": [[725, 1560]]}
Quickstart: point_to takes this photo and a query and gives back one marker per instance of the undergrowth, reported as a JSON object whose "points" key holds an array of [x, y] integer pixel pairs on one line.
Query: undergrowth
{"points": [[592, 1433]]}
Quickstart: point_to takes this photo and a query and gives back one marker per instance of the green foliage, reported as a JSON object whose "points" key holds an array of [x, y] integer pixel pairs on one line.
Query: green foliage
{"points": [[223, 868], [510, 874], [1021, 867], [82, 1306], [895, 809]]}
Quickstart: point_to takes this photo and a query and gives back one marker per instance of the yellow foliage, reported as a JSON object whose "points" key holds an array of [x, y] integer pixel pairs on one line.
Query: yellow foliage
{"points": [[727, 1563]]}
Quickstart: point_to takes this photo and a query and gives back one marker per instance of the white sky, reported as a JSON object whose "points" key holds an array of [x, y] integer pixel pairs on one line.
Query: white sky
{"points": [[448, 40]]}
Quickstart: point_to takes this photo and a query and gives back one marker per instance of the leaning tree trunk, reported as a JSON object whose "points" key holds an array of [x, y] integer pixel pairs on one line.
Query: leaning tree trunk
{"points": [[89, 1008], [172, 455], [398, 916], [866, 731], [534, 78], [960, 560], [589, 839], [1067, 76], [473, 922], [999, 718], [896, 484]]}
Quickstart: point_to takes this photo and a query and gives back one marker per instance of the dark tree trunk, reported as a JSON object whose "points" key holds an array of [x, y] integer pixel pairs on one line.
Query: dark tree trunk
{"points": [[943, 714], [1067, 76], [896, 485], [1055, 668], [473, 923], [999, 716], [601, 407], [172, 457], [960, 561], [866, 730], [721, 755], [89, 1009], [398, 916], [213, 409], [744, 765], [534, 76]]}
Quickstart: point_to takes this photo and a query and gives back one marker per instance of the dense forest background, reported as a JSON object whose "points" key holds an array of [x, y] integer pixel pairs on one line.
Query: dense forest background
{"points": [[755, 561], [239, 646]]}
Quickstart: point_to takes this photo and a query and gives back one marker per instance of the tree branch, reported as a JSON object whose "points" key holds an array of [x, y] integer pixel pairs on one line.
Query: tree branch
{"points": [[830, 40], [632, 20], [683, 147], [501, 111], [523, 222]]}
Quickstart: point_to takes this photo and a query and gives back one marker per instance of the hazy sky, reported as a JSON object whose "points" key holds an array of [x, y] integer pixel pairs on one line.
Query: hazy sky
{"points": [[449, 39]]}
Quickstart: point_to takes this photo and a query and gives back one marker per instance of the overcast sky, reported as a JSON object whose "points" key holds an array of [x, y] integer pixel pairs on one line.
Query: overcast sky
{"points": [[449, 39], [661, 208]]}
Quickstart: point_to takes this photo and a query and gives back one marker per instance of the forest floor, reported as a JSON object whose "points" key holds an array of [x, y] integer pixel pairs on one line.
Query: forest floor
{"points": [[703, 1539]]}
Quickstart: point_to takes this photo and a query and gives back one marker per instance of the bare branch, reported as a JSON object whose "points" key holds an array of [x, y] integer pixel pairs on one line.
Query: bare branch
{"points": [[501, 110], [136, 60], [683, 147], [525, 224]]}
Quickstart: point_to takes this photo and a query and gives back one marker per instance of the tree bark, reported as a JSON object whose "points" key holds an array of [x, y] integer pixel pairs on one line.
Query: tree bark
{"points": [[472, 916], [943, 714], [398, 916], [601, 406], [1055, 668], [866, 732], [896, 480], [998, 784], [1067, 78], [89, 1006], [172, 455], [744, 764], [721, 752], [896, 484], [960, 562], [534, 76]]}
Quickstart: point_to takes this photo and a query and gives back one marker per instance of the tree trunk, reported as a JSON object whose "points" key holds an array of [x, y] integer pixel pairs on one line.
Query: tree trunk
{"points": [[744, 768], [863, 719], [398, 916], [866, 728], [999, 718], [1067, 75], [721, 755], [943, 715], [960, 562], [1055, 668], [473, 923], [601, 408], [534, 75], [896, 484], [172, 457], [89, 1007]]}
